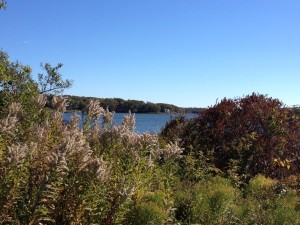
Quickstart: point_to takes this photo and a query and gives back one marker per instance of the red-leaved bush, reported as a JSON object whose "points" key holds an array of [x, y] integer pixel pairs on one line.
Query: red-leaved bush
{"points": [[254, 134]]}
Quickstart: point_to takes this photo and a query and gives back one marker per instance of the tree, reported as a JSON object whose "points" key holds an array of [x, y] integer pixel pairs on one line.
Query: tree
{"points": [[2, 4], [16, 83], [52, 83], [17, 86]]}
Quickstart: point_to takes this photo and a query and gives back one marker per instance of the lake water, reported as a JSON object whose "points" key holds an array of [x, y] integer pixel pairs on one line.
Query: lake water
{"points": [[143, 122]]}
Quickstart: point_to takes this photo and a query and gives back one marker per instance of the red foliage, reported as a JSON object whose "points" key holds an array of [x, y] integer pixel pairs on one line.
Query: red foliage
{"points": [[253, 132]]}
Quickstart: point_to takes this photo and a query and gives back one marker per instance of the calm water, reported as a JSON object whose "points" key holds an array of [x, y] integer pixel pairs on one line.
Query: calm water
{"points": [[143, 122]]}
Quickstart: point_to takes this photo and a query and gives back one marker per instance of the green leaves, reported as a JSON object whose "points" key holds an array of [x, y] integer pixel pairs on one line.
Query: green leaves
{"points": [[52, 82], [2, 4]]}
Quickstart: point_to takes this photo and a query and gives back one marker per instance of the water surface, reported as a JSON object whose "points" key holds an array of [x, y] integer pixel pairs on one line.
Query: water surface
{"points": [[152, 123]]}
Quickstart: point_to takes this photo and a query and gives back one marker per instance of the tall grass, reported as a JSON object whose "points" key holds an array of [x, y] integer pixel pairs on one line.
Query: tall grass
{"points": [[62, 174], [59, 173]]}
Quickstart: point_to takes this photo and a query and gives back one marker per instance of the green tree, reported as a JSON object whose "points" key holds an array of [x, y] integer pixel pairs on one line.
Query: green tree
{"points": [[2, 4], [16, 83], [52, 82], [18, 86]]}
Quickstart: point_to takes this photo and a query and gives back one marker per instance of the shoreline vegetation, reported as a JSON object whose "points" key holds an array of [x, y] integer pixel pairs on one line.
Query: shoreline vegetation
{"points": [[119, 105]]}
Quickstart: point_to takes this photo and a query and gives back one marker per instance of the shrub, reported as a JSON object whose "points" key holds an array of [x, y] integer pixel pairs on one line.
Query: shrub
{"points": [[268, 202], [150, 210], [261, 187], [63, 174], [253, 131], [210, 201]]}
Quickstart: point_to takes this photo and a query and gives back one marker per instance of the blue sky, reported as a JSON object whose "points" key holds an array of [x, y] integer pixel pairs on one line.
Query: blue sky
{"points": [[183, 52]]}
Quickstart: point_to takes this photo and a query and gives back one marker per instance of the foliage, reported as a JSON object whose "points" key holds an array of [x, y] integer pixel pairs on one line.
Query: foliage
{"points": [[52, 172], [3, 4], [149, 210], [15, 81], [52, 83], [246, 136], [65, 175], [270, 202], [173, 128], [210, 201], [18, 87], [214, 200], [123, 106]]}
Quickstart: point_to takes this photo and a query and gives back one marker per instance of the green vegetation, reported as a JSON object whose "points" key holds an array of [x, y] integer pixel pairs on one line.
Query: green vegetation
{"points": [[237, 163], [55, 173], [123, 106], [2, 4], [52, 83]]}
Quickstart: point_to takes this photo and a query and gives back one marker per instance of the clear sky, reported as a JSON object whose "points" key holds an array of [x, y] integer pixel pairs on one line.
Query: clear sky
{"points": [[183, 52]]}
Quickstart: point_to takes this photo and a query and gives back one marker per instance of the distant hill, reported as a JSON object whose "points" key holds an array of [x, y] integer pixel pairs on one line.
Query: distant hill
{"points": [[120, 105]]}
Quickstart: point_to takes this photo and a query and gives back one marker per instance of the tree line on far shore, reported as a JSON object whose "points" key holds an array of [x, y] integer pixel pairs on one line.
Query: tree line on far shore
{"points": [[119, 105]]}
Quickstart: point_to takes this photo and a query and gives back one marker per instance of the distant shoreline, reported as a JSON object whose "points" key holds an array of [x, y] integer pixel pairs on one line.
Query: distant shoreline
{"points": [[119, 105], [160, 113]]}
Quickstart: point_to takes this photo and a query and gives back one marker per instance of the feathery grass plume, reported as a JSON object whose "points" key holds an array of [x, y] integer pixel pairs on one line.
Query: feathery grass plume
{"points": [[95, 110], [150, 144], [57, 119], [16, 154], [130, 142], [59, 103], [41, 100], [14, 176], [79, 151], [172, 151], [10, 121], [107, 118], [41, 132], [131, 167], [126, 192], [102, 169], [67, 171], [74, 123], [129, 121], [149, 147], [93, 116], [14, 108]]}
